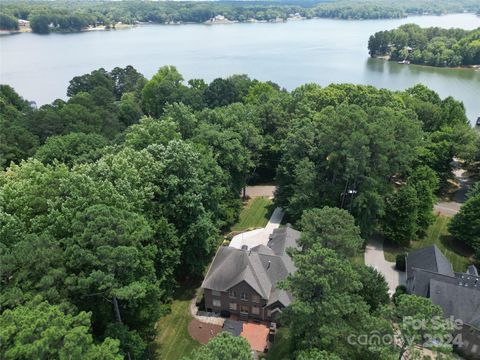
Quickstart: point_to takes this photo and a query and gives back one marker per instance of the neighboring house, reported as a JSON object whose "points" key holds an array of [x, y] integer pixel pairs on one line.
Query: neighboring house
{"points": [[430, 274], [244, 281]]}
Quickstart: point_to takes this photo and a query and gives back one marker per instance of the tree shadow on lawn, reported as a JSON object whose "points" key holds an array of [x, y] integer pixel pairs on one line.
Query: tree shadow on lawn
{"points": [[456, 246], [187, 289]]}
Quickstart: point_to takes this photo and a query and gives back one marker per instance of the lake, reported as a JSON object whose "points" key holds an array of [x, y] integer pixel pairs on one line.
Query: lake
{"points": [[322, 50]]}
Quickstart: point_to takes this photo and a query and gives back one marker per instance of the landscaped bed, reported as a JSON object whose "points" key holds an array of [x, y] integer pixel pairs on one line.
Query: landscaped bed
{"points": [[203, 332]]}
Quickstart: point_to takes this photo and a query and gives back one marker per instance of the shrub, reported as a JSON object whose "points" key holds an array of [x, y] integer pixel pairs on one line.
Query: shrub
{"points": [[400, 262]]}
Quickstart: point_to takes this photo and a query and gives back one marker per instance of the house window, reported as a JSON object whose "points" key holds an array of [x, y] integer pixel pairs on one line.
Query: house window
{"points": [[217, 303], [244, 296], [244, 309], [255, 298], [233, 306], [232, 294], [215, 293], [269, 312], [255, 310]]}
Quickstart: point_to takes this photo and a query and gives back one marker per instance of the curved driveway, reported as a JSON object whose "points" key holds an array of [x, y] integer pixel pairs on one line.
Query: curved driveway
{"points": [[375, 258]]}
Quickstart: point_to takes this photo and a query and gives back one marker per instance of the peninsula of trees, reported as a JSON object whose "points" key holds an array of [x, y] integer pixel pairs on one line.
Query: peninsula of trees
{"points": [[68, 16], [427, 46], [109, 199]]}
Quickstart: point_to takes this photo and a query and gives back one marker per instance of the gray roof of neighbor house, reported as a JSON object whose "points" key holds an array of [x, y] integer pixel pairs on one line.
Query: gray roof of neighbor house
{"points": [[260, 267], [419, 283], [457, 300], [429, 258], [430, 274]]}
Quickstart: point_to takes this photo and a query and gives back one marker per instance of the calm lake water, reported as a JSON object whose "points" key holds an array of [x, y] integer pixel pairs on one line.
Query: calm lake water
{"points": [[322, 51]]}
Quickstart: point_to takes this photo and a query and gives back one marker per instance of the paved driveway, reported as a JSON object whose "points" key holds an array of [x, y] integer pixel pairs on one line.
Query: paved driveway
{"points": [[375, 258], [258, 236]]}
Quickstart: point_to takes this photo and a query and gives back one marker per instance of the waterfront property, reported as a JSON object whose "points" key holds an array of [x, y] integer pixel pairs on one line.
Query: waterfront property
{"points": [[244, 281], [430, 274]]}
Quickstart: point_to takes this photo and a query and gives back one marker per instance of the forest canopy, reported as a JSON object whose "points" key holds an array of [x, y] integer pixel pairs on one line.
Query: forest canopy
{"points": [[112, 197], [427, 46]]}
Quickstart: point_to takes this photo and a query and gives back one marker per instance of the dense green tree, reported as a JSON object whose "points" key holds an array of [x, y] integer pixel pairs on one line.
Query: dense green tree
{"points": [[465, 226], [374, 287], [425, 182], [331, 228], [327, 308], [429, 46], [224, 346], [315, 354], [151, 131], [87, 82], [8, 22], [400, 222], [165, 87], [43, 331], [345, 157], [409, 312], [71, 148], [40, 23], [129, 109]]}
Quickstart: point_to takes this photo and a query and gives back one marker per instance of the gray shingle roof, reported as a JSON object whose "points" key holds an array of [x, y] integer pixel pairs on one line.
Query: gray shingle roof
{"points": [[430, 274], [431, 259], [262, 267], [461, 302]]}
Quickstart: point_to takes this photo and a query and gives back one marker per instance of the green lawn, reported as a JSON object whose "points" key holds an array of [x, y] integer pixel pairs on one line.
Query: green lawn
{"points": [[255, 214], [459, 255], [173, 340]]}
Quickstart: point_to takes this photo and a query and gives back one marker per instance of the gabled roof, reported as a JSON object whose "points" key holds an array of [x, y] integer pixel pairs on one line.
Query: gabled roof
{"points": [[430, 274], [419, 283], [261, 267], [431, 259], [461, 302]]}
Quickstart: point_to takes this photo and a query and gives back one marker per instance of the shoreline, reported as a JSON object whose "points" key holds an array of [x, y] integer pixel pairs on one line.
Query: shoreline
{"points": [[224, 21], [464, 67]]}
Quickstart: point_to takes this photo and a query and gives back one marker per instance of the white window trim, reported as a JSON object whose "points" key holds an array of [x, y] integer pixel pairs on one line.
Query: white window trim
{"points": [[216, 301]]}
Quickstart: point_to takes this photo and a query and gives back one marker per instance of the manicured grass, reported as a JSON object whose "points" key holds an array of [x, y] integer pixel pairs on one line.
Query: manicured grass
{"points": [[458, 254], [255, 214], [173, 340], [282, 347]]}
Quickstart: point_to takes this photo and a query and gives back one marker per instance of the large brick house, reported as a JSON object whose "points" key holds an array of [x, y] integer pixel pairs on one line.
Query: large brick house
{"points": [[244, 281], [430, 274]]}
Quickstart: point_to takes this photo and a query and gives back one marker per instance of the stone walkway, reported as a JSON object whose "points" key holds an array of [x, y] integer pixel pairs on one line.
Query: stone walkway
{"points": [[204, 319]]}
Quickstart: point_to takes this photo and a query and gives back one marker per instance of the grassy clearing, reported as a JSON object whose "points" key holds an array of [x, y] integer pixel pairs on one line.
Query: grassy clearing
{"points": [[255, 214], [173, 340], [459, 255]]}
